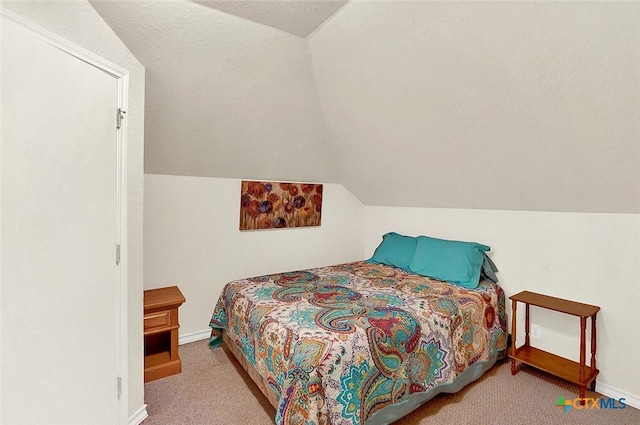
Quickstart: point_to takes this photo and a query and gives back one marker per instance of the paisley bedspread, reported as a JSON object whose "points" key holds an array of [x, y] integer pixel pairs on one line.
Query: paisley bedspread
{"points": [[341, 343]]}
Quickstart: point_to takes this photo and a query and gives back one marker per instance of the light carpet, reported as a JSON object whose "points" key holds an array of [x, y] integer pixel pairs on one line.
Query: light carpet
{"points": [[213, 389]]}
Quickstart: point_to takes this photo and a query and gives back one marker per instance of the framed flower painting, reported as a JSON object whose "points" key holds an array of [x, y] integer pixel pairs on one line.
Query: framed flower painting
{"points": [[269, 205]]}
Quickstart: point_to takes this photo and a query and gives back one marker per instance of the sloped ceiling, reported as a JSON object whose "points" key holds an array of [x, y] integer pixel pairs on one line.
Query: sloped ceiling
{"points": [[493, 105], [497, 105], [299, 18], [225, 97]]}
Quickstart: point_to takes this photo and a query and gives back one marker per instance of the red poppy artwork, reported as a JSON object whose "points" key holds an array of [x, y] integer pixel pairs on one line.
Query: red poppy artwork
{"points": [[269, 205]]}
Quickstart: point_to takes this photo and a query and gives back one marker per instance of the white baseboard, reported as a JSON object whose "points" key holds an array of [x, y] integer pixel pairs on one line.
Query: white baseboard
{"points": [[615, 393], [194, 336], [139, 416]]}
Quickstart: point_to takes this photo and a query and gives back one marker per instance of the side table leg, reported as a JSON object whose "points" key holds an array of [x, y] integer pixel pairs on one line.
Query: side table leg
{"points": [[527, 341], [593, 351], [583, 325], [514, 306]]}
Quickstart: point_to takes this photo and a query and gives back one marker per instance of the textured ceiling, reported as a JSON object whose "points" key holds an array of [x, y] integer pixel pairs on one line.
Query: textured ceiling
{"points": [[225, 97], [491, 105], [297, 17]]}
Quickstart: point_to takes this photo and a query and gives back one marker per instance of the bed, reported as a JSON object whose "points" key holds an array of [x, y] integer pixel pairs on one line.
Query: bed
{"points": [[358, 343]]}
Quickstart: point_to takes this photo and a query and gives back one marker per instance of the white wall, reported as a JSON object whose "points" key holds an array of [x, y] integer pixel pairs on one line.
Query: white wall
{"points": [[77, 22], [192, 240], [590, 258]]}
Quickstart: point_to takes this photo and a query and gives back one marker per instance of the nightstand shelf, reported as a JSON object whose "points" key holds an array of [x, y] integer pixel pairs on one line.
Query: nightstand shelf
{"points": [[161, 332], [575, 372]]}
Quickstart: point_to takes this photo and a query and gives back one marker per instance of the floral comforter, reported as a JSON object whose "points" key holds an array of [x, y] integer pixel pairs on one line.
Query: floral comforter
{"points": [[340, 343]]}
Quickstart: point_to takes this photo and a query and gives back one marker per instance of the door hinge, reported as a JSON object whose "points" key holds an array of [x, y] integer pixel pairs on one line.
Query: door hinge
{"points": [[119, 117], [119, 387], [117, 255]]}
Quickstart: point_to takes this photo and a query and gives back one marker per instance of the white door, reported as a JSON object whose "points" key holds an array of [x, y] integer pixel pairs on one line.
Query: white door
{"points": [[59, 175]]}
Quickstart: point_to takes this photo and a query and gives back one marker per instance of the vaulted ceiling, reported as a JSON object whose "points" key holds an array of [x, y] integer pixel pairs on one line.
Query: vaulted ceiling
{"points": [[526, 106], [297, 17], [225, 96]]}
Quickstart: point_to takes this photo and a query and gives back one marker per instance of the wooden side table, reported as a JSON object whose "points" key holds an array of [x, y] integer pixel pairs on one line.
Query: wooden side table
{"points": [[578, 373], [161, 332]]}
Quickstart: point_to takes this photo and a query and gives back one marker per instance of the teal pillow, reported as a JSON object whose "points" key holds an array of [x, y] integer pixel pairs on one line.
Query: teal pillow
{"points": [[395, 250], [451, 261]]}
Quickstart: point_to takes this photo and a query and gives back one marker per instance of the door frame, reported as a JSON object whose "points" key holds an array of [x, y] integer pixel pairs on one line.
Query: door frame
{"points": [[122, 76]]}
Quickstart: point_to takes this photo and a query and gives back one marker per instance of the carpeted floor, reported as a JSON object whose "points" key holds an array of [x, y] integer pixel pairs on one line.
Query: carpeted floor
{"points": [[213, 389]]}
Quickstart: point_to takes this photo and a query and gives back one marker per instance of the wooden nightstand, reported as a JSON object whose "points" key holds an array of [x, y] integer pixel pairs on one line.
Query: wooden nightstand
{"points": [[578, 373], [161, 332]]}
